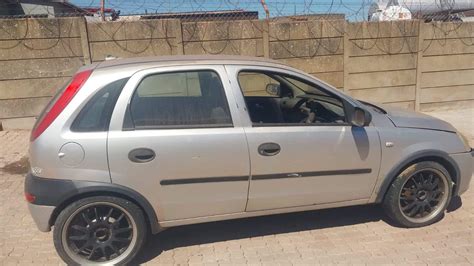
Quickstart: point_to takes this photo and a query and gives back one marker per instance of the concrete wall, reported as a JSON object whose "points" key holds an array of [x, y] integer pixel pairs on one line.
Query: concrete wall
{"points": [[381, 62], [409, 64], [241, 37], [446, 70], [133, 38], [315, 46], [36, 58]]}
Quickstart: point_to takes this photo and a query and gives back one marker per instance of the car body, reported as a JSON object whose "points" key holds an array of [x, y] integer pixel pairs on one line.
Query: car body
{"points": [[185, 154]]}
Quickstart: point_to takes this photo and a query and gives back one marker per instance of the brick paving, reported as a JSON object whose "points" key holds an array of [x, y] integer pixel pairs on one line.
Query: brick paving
{"points": [[352, 235]]}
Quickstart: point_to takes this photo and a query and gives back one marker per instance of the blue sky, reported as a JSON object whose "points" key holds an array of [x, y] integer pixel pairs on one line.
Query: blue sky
{"points": [[354, 9]]}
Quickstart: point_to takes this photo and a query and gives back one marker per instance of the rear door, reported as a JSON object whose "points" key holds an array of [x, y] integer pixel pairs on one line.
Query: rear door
{"points": [[176, 138]]}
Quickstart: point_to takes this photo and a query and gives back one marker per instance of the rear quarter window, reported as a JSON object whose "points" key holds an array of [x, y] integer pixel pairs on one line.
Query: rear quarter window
{"points": [[95, 115]]}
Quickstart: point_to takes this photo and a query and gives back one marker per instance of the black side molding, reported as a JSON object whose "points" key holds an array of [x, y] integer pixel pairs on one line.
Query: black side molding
{"points": [[309, 174], [182, 181], [59, 192]]}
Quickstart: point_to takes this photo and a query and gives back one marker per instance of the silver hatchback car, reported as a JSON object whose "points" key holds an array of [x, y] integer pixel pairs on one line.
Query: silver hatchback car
{"points": [[133, 146]]}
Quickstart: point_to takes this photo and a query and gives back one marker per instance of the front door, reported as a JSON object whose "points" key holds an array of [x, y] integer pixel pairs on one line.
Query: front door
{"points": [[176, 138], [302, 149]]}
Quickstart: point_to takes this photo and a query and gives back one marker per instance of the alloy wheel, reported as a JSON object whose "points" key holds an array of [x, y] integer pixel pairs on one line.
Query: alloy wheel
{"points": [[424, 195], [99, 233]]}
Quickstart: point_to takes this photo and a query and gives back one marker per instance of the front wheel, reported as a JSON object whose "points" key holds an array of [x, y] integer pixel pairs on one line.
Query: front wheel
{"points": [[99, 230], [419, 195]]}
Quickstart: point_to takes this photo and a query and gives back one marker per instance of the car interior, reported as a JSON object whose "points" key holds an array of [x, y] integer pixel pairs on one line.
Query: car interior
{"points": [[197, 98], [273, 98], [163, 102]]}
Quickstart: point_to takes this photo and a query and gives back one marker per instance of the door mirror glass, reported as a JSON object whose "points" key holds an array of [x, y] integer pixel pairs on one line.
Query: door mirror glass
{"points": [[360, 117], [273, 89]]}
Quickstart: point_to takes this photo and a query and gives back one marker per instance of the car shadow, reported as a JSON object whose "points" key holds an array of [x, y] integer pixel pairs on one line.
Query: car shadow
{"points": [[197, 234], [205, 233]]}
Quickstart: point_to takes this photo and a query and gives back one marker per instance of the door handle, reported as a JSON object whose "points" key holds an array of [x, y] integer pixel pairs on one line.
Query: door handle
{"points": [[141, 155], [269, 149]]}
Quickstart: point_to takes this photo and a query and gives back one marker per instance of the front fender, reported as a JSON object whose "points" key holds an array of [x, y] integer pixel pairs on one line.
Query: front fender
{"points": [[436, 155]]}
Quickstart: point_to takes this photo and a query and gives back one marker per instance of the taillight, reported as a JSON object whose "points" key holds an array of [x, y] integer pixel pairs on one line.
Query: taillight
{"points": [[58, 106], [30, 197]]}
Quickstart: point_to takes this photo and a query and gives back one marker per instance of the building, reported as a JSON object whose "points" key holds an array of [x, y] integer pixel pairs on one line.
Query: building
{"points": [[309, 17], [468, 16], [39, 8], [206, 15]]}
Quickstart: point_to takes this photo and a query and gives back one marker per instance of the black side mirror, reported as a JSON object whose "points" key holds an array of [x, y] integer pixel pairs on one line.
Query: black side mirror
{"points": [[360, 117]]}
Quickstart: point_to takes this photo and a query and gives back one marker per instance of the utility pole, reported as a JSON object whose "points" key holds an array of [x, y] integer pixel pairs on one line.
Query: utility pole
{"points": [[102, 9], [265, 7]]}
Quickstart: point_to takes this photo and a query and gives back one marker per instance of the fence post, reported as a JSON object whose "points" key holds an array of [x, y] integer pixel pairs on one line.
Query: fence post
{"points": [[266, 38], [86, 52], [178, 47], [345, 61], [419, 58]]}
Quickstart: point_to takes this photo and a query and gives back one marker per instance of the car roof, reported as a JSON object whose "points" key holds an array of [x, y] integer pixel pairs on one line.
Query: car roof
{"points": [[189, 59]]}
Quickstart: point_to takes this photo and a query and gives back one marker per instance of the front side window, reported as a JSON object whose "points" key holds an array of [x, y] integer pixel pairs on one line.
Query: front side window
{"points": [[180, 100], [274, 99]]}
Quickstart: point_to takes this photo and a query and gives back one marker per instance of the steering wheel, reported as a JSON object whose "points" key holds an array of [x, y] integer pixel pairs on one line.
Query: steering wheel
{"points": [[299, 104]]}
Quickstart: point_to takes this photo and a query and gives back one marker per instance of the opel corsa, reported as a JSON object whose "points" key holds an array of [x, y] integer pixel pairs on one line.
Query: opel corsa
{"points": [[133, 146]]}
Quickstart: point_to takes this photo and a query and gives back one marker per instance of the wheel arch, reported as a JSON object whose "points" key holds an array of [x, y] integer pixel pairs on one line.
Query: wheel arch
{"points": [[106, 189], [440, 157]]}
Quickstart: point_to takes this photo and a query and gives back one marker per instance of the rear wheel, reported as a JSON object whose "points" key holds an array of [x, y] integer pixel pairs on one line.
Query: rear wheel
{"points": [[419, 195], [99, 230]]}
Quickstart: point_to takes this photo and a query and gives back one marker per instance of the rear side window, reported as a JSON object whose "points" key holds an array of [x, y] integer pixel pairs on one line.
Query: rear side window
{"points": [[180, 100], [95, 115]]}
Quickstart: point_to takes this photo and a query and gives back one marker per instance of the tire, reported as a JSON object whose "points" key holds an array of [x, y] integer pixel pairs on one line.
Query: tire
{"points": [[100, 230], [415, 198]]}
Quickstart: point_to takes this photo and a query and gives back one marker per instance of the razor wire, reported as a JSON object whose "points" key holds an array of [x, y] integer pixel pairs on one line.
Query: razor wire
{"points": [[197, 14]]}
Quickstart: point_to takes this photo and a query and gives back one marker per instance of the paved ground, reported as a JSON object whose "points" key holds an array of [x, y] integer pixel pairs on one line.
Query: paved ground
{"points": [[463, 120], [354, 235]]}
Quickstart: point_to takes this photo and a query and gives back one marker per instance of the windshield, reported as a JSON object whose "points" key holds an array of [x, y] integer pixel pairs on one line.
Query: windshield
{"points": [[373, 107], [302, 87]]}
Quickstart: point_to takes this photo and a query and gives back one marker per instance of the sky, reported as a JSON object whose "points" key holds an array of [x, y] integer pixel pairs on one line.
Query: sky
{"points": [[354, 9]]}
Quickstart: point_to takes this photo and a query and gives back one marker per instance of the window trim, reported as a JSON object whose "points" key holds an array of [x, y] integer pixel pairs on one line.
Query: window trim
{"points": [[299, 124], [343, 101], [128, 123]]}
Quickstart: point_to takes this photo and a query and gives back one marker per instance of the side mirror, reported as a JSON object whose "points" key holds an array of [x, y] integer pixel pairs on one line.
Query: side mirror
{"points": [[273, 89], [360, 117]]}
